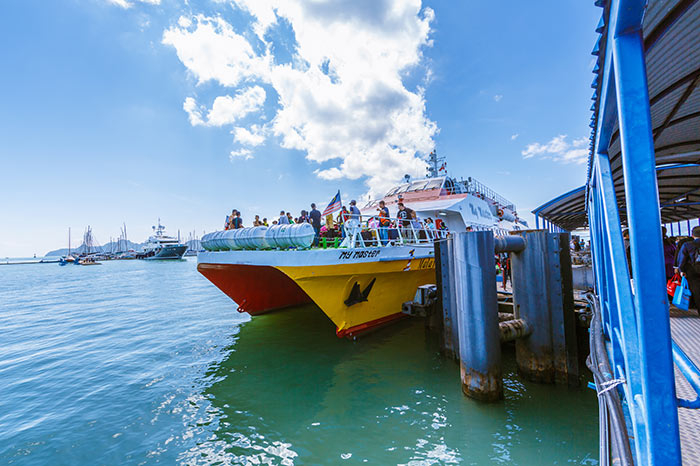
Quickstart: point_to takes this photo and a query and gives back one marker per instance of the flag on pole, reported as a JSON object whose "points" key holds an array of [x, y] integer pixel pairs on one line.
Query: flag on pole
{"points": [[334, 206]]}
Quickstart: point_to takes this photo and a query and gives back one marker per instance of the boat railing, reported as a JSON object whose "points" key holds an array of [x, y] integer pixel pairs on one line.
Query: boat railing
{"points": [[397, 232]]}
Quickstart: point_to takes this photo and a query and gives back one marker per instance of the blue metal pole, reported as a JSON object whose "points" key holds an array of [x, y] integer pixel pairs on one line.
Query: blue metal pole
{"points": [[537, 222], [643, 215]]}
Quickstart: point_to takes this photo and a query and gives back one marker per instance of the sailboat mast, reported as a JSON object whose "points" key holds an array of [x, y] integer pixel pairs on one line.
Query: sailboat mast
{"points": [[69, 241]]}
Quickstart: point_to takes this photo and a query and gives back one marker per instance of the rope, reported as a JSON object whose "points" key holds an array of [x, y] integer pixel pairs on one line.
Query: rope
{"points": [[610, 384]]}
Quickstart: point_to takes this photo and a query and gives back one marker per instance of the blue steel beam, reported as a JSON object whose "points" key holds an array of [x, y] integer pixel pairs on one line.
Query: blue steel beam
{"points": [[637, 322], [619, 286], [658, 395]]}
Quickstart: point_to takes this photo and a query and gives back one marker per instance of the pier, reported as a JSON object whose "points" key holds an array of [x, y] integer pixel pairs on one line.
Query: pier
{"points": [[643, 172], [542, 318]]}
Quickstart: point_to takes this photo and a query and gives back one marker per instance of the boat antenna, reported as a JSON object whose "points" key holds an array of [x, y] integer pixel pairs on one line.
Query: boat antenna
{"points": [[436, 165]]}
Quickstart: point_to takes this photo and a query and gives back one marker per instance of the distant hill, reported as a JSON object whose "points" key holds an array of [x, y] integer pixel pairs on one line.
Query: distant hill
{"points": [[192, 244], [105, 247]]}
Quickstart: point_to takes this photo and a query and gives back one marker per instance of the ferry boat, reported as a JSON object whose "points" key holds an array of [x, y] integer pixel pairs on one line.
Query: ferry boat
{"points": [[162, 247], [363, 283]]}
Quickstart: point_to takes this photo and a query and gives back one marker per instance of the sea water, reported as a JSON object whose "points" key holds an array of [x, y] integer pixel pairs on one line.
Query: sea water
{"points": [[138, 362]]}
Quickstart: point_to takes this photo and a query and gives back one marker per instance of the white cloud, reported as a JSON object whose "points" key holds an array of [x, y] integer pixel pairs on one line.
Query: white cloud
{"points": [[513, 137], [226, 110], [194, 111], [559, 150], [244, 154], [127, 4], [249, 137], [497, 97], [340, 97]]}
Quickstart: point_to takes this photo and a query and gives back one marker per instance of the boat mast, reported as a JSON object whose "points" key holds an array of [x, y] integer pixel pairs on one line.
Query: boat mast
{"points": [[435, 165], [69, 241]]}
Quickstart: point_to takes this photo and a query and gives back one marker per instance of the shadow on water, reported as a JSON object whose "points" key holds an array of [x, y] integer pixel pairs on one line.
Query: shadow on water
{"points": [[290, 391]]}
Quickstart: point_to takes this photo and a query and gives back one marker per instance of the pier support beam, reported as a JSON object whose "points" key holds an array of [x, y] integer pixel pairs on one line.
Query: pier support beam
{"points": [[543, 297], [444, 266], [476, 301]]}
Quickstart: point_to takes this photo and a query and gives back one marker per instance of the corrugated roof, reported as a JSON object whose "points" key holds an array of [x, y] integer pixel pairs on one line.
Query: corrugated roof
{"points": [[671, 31], [679, 188]]}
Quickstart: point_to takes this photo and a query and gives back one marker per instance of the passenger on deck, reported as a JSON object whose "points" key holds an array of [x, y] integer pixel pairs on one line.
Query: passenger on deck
{"points": [[290, 219], [355, 213], [264, 222], [404, 215], [303, 218], [315, 218], [257, 222], [689, 265], [237, 221], [669, 253], [228, 224], [430, 228], [383, 222], [342, 218], [283, 220]]}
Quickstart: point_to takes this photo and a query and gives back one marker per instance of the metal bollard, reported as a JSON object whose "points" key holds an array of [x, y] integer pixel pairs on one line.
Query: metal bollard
{"points": [[476, 301]]}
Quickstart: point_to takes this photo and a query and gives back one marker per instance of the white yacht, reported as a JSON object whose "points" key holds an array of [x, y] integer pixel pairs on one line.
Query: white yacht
{"points": [[160, 246]]}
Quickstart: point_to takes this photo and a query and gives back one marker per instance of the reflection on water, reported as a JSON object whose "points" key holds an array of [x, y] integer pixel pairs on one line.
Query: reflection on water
{"points": [[139, 363]]}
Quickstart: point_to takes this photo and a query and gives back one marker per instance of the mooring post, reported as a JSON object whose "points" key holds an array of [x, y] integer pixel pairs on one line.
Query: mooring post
{"points": [[474, 276], [561, 309], [446, 295], [534, 354]]}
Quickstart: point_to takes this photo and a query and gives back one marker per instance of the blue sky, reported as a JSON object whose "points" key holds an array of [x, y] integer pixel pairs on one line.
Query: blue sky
{"points": [[128, 110]]}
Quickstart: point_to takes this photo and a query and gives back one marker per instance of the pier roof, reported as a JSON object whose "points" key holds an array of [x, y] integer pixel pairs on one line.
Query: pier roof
{"points": [[679, 196], [671, 36]]}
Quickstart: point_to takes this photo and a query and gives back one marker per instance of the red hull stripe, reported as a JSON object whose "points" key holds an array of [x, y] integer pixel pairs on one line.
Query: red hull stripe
{"points": [[358, 329], [256, 289]]}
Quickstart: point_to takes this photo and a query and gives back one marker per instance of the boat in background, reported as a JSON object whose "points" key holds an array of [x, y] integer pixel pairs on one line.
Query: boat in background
{"points": [[68, 258], [162, 247]]}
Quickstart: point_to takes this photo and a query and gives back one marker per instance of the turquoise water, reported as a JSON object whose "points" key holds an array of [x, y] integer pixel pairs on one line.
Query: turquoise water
{"points": [[136, 362]]}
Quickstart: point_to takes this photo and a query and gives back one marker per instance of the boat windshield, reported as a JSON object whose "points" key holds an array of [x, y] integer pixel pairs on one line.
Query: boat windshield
{"points": [[418, 185]]}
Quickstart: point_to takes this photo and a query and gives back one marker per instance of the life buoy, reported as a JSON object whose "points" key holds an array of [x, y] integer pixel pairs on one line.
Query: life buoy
{"points": [[500, 213]]}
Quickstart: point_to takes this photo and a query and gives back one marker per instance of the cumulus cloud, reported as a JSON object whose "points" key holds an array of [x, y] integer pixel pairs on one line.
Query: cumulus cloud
{"points": [[559, 150], [244, 154], [226, 110], [249, 137], [497, 97], [340, 97], [513, 137], [128, 4]]}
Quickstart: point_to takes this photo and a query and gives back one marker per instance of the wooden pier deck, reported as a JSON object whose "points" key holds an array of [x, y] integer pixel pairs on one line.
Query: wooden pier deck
{"points": [[685, 329]]}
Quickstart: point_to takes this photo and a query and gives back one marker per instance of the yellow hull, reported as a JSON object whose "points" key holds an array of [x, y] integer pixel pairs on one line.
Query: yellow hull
{"points": [[357, 296]]}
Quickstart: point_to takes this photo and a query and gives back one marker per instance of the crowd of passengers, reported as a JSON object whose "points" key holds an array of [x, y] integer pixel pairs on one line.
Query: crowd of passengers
{"points": [[406, 225]]}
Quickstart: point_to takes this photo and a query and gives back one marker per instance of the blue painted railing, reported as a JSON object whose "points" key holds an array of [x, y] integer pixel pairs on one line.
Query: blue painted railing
{"points": [[635, 317]]}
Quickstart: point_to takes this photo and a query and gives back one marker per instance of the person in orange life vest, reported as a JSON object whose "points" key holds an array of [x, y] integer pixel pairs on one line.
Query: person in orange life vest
{"points": [[383, 222]]}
